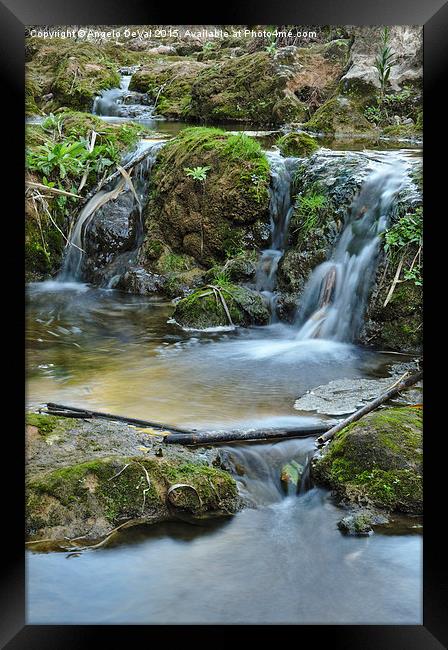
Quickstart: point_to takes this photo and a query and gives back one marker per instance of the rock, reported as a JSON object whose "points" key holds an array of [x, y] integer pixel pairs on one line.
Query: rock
{"points": [[359, 524], [168, 84], [73, 73], [201, 310], [290, 477], [345, 396], [376, 461], [138, 281], [339, 115], [251, 87], [406, 43], [162, 49], [216, 219], [297, 144], [77, 487]]}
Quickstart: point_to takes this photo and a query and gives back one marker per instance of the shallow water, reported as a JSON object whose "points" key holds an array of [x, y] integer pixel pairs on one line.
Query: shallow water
{"points": [[282, 563], [116, 352]]}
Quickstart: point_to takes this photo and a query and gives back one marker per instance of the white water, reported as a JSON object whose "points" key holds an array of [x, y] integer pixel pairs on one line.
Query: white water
{"points": [[71, 270], [121, 102], [336, 294], [281, 209]]}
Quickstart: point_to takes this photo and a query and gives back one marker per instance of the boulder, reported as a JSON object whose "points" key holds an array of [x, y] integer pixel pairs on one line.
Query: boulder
{"points": [[376, 461], [203, 308]]}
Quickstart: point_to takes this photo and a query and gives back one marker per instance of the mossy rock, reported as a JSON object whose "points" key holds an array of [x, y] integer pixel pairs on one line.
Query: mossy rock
{"points": [[168, 83], [377, 461], [50, 428], [297, 144], [94, 497], [203, 308], [207, 220], [339, 115], [403, 131], [72, 73], [245, 88]]}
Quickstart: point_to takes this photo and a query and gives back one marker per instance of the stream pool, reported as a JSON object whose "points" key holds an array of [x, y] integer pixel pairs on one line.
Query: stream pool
{"points": [[282, 562]]}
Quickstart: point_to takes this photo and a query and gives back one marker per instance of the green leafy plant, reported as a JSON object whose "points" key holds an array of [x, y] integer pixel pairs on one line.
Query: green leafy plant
{"points": [[384, 61], [197, 173], [404, 241], [373, 114]]}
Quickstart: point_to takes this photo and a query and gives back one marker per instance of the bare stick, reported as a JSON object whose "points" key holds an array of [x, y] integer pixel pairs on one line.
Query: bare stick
{"points": [[389, 394]]}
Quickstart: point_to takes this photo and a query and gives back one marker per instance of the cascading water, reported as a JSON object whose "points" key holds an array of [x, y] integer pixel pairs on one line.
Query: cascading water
{"points": [[121, 102], [281, 208], [106, 199], [336, 294]]}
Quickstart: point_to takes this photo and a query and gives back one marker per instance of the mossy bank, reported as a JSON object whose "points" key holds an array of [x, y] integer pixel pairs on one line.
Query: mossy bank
{"points": [[78, 487]]}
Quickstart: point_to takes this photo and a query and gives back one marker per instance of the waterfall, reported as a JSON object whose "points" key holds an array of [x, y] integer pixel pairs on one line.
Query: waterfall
{"points": [[336, 294], [106, 200], [121, 102], [280, 208]]}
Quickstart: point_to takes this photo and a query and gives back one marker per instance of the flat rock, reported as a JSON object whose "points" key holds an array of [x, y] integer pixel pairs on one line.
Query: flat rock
{"points": [[345, 396]]}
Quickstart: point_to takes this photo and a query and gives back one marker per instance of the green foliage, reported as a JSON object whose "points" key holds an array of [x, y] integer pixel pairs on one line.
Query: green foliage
{"points": [[374, 114], [385, 61], [404, 238], [197, 173], [70, 158], [310, 210], [271, 48]]}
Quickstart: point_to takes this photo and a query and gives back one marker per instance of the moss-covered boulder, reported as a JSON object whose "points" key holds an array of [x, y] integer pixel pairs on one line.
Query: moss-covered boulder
{"points": [[217, 306], [87, 477], [168, 84], [297, 144], [339, 115], [209, 197], [62, 73], [245, 88], [94, 497], [377, 461]]}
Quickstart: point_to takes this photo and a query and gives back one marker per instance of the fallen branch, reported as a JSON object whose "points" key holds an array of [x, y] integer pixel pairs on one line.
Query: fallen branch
{"points": [[200, 438], [74, 412], [389, 394], [111, 177]]}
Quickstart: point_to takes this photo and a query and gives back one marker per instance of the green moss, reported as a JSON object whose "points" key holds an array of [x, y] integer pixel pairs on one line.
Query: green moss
{"points": [[338, 115], [203, 308], [50, 427], [74, 73], [401, 130], [121, 489], [379, 459], [297, 144], [208, 220], [245, 88]]}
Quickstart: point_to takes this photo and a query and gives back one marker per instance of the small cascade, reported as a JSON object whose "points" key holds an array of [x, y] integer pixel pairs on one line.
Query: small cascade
{"points": [[336, 294], [257, 468], [281, 208], [118, 207], [121, 102]]}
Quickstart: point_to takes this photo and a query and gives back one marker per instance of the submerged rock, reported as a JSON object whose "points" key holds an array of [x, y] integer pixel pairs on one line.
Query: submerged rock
{"points": [[204, 308], [360, 524], [376, 461], [86, 478]]}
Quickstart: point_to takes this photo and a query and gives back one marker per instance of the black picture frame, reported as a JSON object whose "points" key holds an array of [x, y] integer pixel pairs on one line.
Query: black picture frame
{"points": [[14, 16]]}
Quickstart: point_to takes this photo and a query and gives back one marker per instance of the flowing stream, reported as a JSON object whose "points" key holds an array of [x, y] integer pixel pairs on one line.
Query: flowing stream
{"points": [[283, 560]]}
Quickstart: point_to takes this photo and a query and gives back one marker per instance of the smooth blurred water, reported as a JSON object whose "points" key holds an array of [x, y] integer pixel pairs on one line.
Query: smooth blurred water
{"points": [[282, 563]]}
